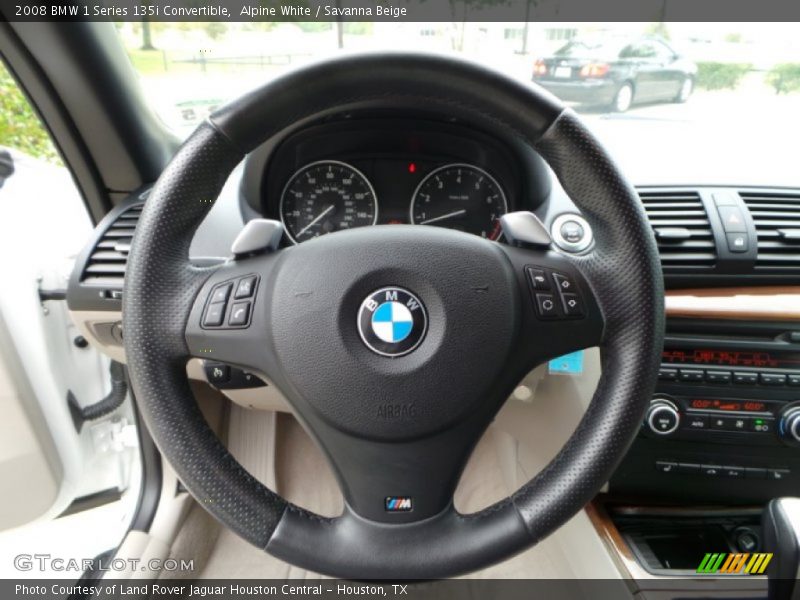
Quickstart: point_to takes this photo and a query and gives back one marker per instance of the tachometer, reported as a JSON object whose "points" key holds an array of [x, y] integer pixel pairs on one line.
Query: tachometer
{"points": [[324, 197], [460, 196]]}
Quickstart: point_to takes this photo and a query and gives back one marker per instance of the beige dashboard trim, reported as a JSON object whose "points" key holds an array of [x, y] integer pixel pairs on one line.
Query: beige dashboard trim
{"points": [[753, 303]]}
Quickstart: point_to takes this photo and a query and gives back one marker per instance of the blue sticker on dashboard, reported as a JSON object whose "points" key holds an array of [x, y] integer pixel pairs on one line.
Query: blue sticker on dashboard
{"points": [[569, 364]]}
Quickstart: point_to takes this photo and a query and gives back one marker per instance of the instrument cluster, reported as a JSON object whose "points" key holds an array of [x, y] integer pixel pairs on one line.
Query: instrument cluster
{"points": [[339, 176]]}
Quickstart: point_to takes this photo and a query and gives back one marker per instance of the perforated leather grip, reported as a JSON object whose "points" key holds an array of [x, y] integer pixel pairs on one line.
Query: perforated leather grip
{"points": [[623, 270]]}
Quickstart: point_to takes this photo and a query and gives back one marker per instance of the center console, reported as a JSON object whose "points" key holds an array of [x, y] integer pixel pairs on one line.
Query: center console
{"points": [[724, 423]]}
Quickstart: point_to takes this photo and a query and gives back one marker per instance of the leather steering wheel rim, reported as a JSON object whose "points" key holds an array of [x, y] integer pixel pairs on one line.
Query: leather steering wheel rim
{"points": [[621, 271]]}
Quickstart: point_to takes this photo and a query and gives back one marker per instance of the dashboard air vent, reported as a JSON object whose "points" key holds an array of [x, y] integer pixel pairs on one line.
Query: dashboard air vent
{"points": [[777, 219], [683, 232], [107, 262]]}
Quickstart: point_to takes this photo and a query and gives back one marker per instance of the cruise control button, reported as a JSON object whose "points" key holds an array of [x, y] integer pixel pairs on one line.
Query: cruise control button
{"points": [[546, 305], [742, 378], [772, 378], [690, 375], [563, 283], [239, 313], [215, 314], [217, 374], [220, 293], [718, 376], [737, 242], [245, 287], [572, 305], [537, 279]]}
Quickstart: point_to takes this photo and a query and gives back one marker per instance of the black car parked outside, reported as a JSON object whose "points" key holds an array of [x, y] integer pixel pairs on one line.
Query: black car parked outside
{"points": [[617, 72]]}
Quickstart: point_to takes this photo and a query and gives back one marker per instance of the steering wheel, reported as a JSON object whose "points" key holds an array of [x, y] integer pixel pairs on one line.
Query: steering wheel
{"points": [[394, 345]]}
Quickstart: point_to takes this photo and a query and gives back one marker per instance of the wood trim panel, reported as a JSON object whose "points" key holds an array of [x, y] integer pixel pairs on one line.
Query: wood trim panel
{"points": [[753, 303]]}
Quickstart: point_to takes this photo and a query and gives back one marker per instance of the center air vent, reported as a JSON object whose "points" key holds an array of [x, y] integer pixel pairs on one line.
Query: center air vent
{"points": [[683, 232], [107, 262], [777, 220]]}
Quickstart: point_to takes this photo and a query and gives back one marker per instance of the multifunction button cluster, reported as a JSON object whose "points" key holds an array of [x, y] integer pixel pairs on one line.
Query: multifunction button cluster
{"points": [[230, 304], [721, 470], [555, 295], [738, 377]]}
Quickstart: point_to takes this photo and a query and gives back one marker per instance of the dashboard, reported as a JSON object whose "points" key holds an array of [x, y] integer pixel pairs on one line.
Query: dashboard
{"points": [[358, 172]]}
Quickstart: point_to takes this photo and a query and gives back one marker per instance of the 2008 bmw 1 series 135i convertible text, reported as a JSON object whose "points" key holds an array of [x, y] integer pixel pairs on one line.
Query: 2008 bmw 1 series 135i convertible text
{"points": [[462, 292]]}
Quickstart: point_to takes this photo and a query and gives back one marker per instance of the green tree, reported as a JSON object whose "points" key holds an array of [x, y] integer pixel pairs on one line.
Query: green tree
{"points": [[215, 29], [784, 78], [20, 127]]}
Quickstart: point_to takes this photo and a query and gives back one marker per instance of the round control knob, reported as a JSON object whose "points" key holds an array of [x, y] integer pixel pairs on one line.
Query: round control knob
{"points": [[663, 417], [790, 425]]}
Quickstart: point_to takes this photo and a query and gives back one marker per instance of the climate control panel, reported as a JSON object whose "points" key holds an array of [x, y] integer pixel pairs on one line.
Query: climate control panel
{"points": [[723, 420]]}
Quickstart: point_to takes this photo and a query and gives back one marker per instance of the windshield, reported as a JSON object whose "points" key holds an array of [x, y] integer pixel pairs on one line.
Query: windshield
{"points": [[696, 103]]}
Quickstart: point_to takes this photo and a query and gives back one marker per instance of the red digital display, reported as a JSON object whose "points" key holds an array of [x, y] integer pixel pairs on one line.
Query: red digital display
{"points": [[728, 405], [732, 358]]}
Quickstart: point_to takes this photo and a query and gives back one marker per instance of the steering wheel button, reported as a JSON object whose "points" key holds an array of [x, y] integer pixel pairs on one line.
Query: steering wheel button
{"points": [[537, 278], [221, 293], [546, 305], [245, 287], [563, 283], [240, 312], [573, 307], [215, 314]]}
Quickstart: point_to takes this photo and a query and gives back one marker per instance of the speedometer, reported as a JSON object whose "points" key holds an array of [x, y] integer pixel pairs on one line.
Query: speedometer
{"points": [[460, 196], [324, 197]]}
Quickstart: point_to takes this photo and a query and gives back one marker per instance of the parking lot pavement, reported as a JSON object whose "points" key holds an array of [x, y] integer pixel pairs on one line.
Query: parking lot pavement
{"points": [[717, 137]]}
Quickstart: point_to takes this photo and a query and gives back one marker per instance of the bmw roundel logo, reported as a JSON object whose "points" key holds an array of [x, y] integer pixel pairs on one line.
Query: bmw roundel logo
{"points": [[392, 321]]}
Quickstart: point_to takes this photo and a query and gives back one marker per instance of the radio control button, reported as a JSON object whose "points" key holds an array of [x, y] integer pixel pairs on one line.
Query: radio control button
{"points": [[666, 466], [744, 378], [772, 378], [755, 473], [777, 474], [711, 470], [733, 472], [667, 374], [718, 376], [696, 422], [691, 375]]}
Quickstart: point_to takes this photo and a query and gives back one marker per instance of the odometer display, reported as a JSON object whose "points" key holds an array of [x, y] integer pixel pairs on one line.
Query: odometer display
{"points": [[324, 197], [460, 196]]}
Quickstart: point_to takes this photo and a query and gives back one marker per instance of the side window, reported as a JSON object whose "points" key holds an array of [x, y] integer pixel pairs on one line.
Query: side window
{"points": [[638, 50]]}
